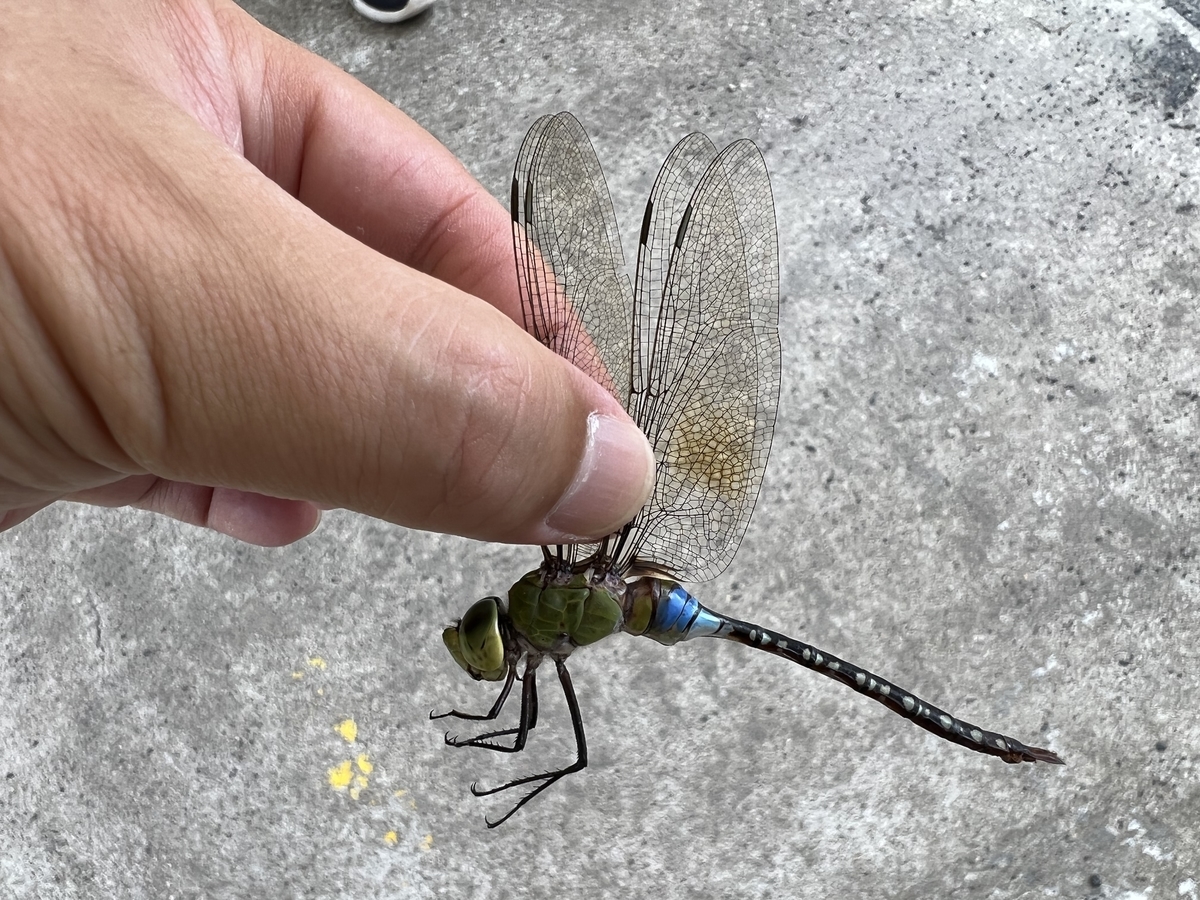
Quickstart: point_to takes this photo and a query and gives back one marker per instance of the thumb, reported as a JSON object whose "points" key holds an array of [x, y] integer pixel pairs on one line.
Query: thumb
{"points": [[219, 332]]}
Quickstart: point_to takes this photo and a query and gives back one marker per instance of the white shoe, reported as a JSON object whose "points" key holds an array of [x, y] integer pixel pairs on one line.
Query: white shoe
{"points": [[391, 10]]}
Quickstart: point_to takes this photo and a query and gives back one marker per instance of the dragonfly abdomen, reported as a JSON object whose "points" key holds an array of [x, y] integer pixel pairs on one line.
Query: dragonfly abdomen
{"points": [[671, 615], [666, 612], [895, 698]]}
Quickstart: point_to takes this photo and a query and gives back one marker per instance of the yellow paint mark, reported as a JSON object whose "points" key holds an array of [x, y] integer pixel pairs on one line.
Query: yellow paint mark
{"points": [[354, 792], [360, 781], [427, 842], [340, 775], [297, 675], [316, 662], [390, 838], [364, 764], [348, 729], [399, 793]]}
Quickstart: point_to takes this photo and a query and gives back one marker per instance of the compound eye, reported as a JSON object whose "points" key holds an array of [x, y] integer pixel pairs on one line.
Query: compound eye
{"points": [[450, 639], [479, 640]]}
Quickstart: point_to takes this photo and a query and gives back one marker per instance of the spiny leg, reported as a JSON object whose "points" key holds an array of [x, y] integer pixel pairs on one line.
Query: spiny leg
{"points": [[528, 718], [491, 713], [894, 698], [546, 778]]}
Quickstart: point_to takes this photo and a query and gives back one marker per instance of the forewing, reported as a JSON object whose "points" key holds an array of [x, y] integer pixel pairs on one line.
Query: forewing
{"points": [[575, 294], [709, 388], [669, 198]]}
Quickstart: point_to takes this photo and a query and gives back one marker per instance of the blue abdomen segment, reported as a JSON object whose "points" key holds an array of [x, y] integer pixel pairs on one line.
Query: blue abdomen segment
{"points": [[678, 616]]}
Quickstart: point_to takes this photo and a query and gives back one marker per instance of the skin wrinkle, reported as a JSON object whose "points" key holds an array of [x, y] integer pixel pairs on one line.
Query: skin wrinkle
{"points": [[276, 325], [407, 333], [433, 234], [220, 294], [508, 436], [16, 379], [207, 93], [266, 137], [485, 439], [475, 274], [426, 257], [278, 76], [27, 466], [197, 500], [445, 468], [54, 444], [407, 169], [252, 70], [340, 353], [142, 399], [449, 414], [307, 128], [50, 450], [21, 285]]}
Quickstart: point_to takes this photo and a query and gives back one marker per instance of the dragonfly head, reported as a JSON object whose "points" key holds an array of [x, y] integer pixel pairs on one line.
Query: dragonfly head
{"points": [[476, 643]]}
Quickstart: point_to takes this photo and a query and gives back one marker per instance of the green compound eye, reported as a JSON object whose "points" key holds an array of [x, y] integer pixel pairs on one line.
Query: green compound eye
{"points": [[476, 643]]}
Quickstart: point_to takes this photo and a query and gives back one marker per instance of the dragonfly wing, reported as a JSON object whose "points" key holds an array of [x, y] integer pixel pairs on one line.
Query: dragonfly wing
{"points": [[575, 294], [707, 387], [669, 198]]}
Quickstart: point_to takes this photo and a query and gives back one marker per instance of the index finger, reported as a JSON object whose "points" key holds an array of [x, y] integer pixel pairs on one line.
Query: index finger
{"points": [[367, 168]]}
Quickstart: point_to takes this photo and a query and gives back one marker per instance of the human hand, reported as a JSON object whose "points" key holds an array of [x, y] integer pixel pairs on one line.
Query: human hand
{"points": [[236, 285]]}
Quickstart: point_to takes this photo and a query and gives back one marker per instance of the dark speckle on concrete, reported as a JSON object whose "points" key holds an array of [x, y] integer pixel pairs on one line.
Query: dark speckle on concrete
{"points": [[1170, 70]]}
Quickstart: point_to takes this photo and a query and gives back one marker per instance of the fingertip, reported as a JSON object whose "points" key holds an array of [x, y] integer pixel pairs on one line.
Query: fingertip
{"points": [[613, 481], [261, 520]]}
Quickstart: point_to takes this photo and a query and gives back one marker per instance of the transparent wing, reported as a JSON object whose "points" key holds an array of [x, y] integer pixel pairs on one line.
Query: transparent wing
{"points": [[706, 386], [575, 294], [669, 198]]}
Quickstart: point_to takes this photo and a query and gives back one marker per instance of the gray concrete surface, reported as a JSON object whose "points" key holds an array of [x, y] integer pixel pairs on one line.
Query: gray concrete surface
{"points": [[985, 485]]}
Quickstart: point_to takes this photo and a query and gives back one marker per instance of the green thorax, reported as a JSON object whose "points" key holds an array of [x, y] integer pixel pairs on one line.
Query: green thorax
{"points": [[546, 607]]}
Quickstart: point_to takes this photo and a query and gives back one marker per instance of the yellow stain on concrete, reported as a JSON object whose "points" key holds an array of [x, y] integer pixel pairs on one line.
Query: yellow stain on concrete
{"points": [[348, 729], [427, 842], [297, 675], [391, 839], [360, 781], [399, 793], [340, 776], [364, 764], [316, 662]]}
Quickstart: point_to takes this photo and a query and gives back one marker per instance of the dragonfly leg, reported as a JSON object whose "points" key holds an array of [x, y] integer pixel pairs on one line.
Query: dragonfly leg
{"points": [[546, 778], [491, 713], [527, 720]]}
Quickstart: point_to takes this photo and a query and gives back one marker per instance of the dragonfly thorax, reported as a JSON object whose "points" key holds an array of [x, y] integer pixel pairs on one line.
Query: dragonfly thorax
{"points": [[555, 611]]}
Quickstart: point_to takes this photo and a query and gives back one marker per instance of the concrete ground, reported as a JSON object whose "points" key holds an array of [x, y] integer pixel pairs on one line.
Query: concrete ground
{"points": [[985, 486]]}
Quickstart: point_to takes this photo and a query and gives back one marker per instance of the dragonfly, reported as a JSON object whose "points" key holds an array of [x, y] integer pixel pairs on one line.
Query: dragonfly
{"points": [[691, 350]]}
